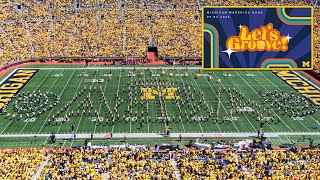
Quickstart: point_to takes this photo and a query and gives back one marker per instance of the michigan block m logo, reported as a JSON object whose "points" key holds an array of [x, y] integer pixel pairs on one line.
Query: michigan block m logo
{"points": [[148, 93]]}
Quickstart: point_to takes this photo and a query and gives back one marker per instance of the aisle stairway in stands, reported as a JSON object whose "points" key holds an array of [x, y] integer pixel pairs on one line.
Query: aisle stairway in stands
{"points": [[174, 164], [38, 173]]}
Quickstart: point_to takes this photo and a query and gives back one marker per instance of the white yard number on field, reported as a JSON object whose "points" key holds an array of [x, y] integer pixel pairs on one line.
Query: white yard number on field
{"points": [[163, 118], [97, 80], [107, 75], [233, 118], [30, 119], [198, 118], [267, 118], [132, 119], [60, 119], [298, 118], [94, 119], [245, 109], [250, 75], [85, 75], [94, 80], [131, 75], [57, 75]]}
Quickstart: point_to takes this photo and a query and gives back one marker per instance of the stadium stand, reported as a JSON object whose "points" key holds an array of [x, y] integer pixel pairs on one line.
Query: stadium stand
{"points": [[87, 28], [249, 165], [81, 163], [20, 163], [75, 164]]}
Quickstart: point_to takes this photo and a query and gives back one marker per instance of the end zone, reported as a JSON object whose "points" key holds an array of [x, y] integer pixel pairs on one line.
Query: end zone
{"points": [[14, 83]]}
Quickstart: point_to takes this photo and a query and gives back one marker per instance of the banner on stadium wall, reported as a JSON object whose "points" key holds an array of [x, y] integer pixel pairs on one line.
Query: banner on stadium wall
{"points": [[255, 38]]}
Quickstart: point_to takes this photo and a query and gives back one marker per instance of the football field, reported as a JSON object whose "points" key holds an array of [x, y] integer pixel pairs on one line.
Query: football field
{"points": [[149, 100]]}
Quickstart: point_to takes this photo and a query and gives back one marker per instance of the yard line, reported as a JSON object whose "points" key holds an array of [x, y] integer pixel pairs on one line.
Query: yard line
{"points": [[73, 97], [287, 138], [144, 80], [262, 100], [192, 105], [53, 108], [200, 90], [246, 97], [244, 114], [118, 91], [217, 96], [81, 113], [75, 132], [179, 105], [36, 89], [280, 89], [95, 127]]}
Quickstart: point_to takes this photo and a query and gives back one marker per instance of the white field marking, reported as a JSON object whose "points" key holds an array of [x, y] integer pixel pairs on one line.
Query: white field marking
{"points": [[244, 113], [217, 96], [35, 90], [130, 102], [262, 100], [308, 82], [118, 91], [287, 138], [73, 97], [158, 78], [179, 105], [191, 105], [44, 122], [200, 90], [116, 67], [317, 87], [9, 75], [280, 89], [17, 94], [245, 96], [144, 79], [81, 113], [95, 126]]}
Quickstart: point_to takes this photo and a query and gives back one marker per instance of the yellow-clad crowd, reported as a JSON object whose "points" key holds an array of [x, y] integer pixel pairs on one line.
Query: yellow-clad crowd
{"points": [[128, 165], [20, 163], [317, 41], [189, 164], [265, 165], [76, 164], [68, 28]]}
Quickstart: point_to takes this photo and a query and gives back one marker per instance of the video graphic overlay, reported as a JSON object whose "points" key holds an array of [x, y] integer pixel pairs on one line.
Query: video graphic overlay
{"points": [[248, 38]]}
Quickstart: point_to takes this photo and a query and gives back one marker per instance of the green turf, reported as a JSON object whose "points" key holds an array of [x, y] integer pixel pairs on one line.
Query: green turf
{"points": [[71, 83]]}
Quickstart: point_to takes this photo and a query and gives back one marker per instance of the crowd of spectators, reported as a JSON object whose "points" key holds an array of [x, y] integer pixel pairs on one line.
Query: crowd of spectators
{"points": [[141, 165], [86, 163], [267, 164], [98, 163], [69, 28], [75, 164], [20, 163], [317, 42]]}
